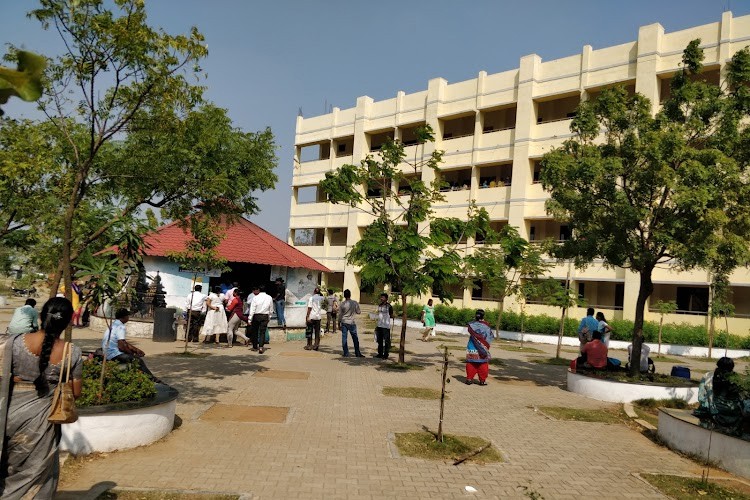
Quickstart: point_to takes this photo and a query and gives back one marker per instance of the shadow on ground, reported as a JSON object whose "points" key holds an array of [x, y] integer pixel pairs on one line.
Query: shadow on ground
{"points": [[517, 371]]}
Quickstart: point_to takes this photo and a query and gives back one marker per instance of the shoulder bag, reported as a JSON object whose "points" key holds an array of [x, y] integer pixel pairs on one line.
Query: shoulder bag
{"points": [[63, 408]]}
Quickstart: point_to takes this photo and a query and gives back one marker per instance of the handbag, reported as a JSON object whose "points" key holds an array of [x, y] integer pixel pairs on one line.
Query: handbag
{"points": [[63, 408]]}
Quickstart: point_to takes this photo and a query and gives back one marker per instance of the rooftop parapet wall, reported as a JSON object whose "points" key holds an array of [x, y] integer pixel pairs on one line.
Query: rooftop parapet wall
{"points": [[604, 66]]}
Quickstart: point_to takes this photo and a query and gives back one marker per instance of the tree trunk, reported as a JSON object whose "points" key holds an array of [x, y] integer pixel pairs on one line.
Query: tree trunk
{"points": [[661, 322], [644, 292], [726, 344], [189, 316], [563, 318], [404, 318], [65, 262], [711, 333], [500, 309], [523, 314]]}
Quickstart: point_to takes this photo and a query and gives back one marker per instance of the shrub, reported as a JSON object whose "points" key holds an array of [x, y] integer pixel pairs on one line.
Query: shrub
{"points": [[672, 333], [121, 383]]}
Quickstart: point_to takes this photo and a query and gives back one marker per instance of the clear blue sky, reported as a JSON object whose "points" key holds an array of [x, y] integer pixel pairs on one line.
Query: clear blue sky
{"points": [[267, 59]]}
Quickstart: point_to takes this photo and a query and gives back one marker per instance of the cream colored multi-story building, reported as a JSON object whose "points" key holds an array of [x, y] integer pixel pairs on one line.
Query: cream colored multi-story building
{"points": [[494, 129]]}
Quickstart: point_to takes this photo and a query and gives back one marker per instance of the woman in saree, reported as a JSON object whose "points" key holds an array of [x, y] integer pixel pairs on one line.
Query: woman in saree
{"points": [[30, 363], [721, 404], [478, 349]]}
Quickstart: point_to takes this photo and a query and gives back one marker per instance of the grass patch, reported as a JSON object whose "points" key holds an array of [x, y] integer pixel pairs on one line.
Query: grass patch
{"points": [[394, 349], [161, 495], [412, 392], [551, 361], [424, 445], [497, 362], [666, 359], [648, 409], [451, 347], [443, 340], [400, 367], [573, 351], [518, 348], [606, 416], [688, 488]]}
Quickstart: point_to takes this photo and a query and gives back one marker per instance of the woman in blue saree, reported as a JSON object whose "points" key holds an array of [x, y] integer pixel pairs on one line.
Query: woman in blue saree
{"points": [[30, 364]]}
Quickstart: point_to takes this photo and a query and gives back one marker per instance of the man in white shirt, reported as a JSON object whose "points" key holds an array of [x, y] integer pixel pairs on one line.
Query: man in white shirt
{"points": [[313, 319], [195, 305], [260, 312]]}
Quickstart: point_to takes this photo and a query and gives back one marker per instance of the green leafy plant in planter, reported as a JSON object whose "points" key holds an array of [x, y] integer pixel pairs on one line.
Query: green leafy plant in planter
{"points": [[122, 383]]}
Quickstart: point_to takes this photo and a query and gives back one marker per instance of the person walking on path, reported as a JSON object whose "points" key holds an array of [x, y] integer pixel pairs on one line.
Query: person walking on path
{"points": [[332, 310], [428, 320], [478, 349], [279, 300], [25, 318], [588, 326], [216, 319], [348, 309], [30, 366], [260, 313], [236, 316], [313, 319], [195, 305], [383, 328]]}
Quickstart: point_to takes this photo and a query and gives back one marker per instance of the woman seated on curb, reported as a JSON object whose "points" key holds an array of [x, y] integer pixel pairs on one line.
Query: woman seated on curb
{"points": [[721, 400]]}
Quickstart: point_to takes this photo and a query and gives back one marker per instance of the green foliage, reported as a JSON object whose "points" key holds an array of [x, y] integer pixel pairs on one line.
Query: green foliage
{"points": [[24, 82], [392, 249], [681, 334], [639, 190], [128, 130], [121, 383]]}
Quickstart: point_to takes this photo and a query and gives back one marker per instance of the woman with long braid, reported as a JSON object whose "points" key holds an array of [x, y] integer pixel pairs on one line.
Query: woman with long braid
{"points": [[30, 369]]}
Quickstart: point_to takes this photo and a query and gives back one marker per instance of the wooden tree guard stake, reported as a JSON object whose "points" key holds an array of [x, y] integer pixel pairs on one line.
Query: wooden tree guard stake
{"points": [[442, 394]]}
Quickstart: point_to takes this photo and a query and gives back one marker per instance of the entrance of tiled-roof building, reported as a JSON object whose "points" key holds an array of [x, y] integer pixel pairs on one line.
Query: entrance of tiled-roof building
{"points": [[246, 275]]}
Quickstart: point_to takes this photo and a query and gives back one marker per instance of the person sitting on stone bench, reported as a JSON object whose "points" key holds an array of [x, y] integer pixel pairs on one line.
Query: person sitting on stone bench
{"points": [[720, 400], [593, 354], [115, 347]]}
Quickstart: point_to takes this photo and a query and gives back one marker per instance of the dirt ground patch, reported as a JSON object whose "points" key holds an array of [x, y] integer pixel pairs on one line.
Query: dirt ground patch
{"points": [[301, 354], [238, 413]]}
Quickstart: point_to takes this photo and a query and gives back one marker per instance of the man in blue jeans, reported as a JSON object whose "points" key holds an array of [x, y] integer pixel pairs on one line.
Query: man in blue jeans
{"points": [[347, 310], [278, 301]]}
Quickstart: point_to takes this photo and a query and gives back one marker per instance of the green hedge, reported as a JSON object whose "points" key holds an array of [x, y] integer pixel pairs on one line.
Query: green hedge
{"points": [[682, 334]]}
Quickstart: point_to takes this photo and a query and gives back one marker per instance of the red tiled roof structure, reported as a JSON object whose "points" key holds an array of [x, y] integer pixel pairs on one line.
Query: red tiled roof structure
{"points": [[243, 242]]}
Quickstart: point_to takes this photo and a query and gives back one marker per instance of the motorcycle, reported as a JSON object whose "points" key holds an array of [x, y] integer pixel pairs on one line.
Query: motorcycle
{"points": [[24, 292]]}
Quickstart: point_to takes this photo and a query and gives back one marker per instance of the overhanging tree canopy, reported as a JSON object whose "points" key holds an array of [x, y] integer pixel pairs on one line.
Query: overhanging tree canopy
{"points": [[640, 190]]}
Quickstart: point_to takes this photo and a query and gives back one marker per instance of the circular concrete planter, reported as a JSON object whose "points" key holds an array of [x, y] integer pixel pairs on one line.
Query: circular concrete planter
{"points": [[623, 392], [682, 431], [121, 426]]}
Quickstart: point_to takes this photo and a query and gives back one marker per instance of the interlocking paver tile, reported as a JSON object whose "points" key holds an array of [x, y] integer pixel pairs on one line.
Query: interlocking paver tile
{"points": [[334, 443]]}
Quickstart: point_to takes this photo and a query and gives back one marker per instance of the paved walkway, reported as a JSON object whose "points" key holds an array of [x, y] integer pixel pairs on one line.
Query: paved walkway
{"points": [[335, 441]]}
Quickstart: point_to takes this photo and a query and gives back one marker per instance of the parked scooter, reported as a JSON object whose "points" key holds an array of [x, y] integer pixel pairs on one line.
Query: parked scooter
{"points": [[24, 292]]}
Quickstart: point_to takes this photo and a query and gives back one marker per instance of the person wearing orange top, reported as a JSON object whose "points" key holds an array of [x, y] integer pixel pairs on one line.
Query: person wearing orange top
{"points": [[595, 353]]}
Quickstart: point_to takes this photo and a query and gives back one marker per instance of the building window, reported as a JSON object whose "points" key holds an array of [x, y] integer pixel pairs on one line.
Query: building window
{"points": [[308, 237], [409, 134], [536, 166], [461, 126], [491, 176], [337, 236], [377, 139], [456, 180], [314, 152], [692, 299], [498, 119], [557, 109], [344, 146]]}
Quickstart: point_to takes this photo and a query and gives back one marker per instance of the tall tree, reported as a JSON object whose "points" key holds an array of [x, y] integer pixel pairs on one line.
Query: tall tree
{"points": [[640, 190], [132, 130], [395, 249]]}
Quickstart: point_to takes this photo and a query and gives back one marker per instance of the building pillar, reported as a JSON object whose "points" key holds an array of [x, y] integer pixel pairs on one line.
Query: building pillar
{"points": [[646, 78], [525, 123]]}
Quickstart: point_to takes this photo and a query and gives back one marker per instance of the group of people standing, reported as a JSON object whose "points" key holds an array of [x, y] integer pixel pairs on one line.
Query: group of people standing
{"points": [[222, 313]]}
